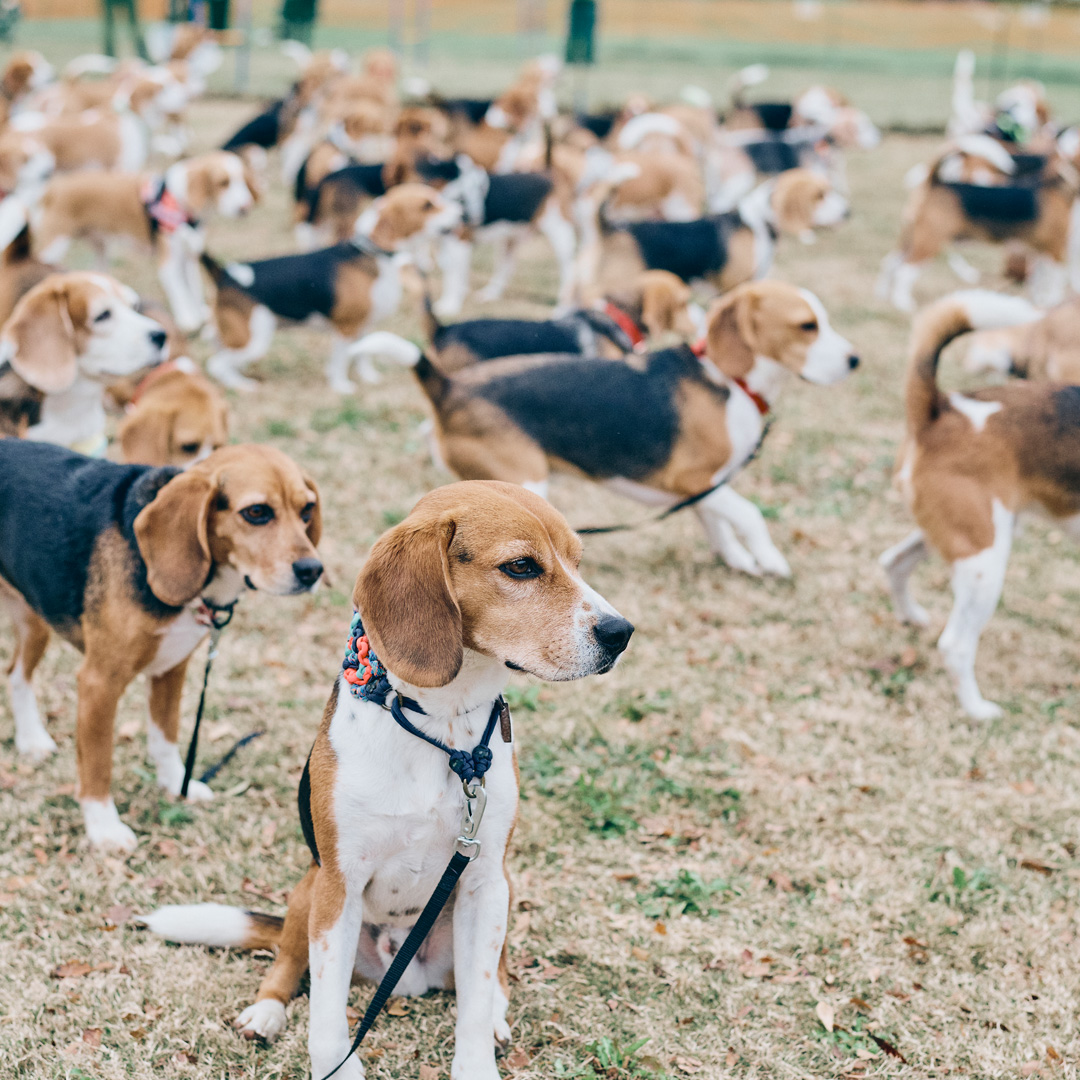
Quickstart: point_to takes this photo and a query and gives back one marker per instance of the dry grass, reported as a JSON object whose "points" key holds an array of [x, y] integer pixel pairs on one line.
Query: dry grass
{"points": [[773, 802]]}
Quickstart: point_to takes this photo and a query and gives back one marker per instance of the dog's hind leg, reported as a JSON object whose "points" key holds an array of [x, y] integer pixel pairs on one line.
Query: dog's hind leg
{"points": [[977, 583], [899, 562], [31, 638], [563, 240], [507, 241], [227, 364]]}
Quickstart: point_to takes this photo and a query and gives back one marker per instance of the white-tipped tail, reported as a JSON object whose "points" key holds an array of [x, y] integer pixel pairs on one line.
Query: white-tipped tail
{"points": [[983, 146], [389, 346], [201, 924], [987, 310]]}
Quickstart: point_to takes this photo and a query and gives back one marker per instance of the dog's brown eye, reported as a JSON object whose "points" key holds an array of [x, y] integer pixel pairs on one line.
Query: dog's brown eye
{"points": [[809, 327], [308, 512], [106, 314], [521, 568], [190, 447], [259, 514]]}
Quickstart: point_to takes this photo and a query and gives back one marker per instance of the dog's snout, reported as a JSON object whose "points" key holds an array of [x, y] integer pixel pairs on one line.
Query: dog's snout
{"points": [[307, 571], [158, 338], [613, 632], [853, 361]]}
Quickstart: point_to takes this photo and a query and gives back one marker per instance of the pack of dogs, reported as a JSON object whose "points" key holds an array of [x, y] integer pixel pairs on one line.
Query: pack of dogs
{"points": [[657, 375]]}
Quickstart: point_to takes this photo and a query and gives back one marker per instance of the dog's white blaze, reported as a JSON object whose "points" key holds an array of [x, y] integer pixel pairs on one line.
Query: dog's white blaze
{"points": [[977, 412], [217, 925], [828, 359], [122, 344]]}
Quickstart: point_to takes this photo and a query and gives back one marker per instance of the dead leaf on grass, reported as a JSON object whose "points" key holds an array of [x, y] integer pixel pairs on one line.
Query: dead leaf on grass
{"points": [[887, 1047], [118, 914], [430, 1072], [518, 1058], [73, 969], [92, 1036], [1038, 866], [826, 1014], [398, 1007], [688, 1065], [168, 848]]}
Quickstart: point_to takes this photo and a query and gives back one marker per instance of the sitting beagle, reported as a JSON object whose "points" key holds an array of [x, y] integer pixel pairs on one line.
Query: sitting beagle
{"points": [[480, 579], [722, 250], [654, 304], [65, 338], [353, 285], [129, 563], [176, 416], [670, 427], [163, 211], [971, 463]]}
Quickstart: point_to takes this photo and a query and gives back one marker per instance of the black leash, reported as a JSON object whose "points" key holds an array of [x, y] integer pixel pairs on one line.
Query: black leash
{"points": [[683, 503], [220, 617]]}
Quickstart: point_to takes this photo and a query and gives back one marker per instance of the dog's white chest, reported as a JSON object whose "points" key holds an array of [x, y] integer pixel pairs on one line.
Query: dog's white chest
{"points": [[386, 290], [177, 642]]}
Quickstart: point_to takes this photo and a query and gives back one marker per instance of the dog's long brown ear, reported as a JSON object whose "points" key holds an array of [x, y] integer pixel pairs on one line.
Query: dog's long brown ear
{"points": [[388, 227], [730, 336], [794, 199], [172, 536], [314, 526], [405, 598], [144, 437], [39, 339]]}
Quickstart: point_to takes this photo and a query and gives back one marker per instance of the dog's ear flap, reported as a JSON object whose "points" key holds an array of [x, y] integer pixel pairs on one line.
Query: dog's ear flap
{"points": [[731, 335], [407, 603], [387, 230], [314, 526], [172, 536], [39, 339], [794, 200], [144, 437]]}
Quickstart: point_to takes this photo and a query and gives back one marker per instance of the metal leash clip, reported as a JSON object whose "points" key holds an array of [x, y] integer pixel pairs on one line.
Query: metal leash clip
{"points": [[475, 804]]}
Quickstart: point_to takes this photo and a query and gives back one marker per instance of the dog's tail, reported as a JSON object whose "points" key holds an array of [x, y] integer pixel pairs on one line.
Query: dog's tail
{"points": [[942, 322], [382, 343], [743, 79], [216, 925], [432, 326], [218, 274]]}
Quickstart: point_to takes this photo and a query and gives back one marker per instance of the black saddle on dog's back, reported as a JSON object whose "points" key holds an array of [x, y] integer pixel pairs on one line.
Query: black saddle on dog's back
{"points": [[774, 115], [771, 156], [688, 249], [1004, 207]]}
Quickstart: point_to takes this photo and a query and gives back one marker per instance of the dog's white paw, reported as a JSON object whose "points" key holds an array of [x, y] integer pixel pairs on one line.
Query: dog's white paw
{"points": [[199, 792], [36, 745], [343, 386], [740, 560], [772, 562], [916, 615], [474, 1067], [263, 1020], [983, 710], [104, 829], [445, 309]]}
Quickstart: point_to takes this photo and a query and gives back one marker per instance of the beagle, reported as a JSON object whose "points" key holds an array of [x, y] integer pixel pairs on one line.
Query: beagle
{"points": [[166, 211], [1019, 114], [1045, 347], [971, 463], [1035, 210], [126, 562], [25, 165], [722, 249], [92, 139], [481, 579], [65, 338], [25, 71], [671, 426], [353, 285], [176, 417]]}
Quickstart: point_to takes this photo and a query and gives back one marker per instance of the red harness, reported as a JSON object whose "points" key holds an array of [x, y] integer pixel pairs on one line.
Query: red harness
{"points": [[762, 405], [624, 323], [162, 206]]}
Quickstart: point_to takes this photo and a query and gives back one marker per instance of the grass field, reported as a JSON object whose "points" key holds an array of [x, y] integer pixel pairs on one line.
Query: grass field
{"points": [[770, 821]]}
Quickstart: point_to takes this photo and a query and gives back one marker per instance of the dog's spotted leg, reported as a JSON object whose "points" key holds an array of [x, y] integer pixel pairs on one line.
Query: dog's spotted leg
{"points": [[31, 639], [899, 562], [162, 733], [977, 582]]}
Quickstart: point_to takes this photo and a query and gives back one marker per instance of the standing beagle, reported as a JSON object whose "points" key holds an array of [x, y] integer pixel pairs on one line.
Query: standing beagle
{"points": [[66, 338], [128, 563], [481, 579], [166, 212], [352, 285], [671, 426], [971, 463]]}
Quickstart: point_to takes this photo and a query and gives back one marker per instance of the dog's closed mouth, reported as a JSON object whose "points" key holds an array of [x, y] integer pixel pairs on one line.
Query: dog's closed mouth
{"points": [[250, 584]]}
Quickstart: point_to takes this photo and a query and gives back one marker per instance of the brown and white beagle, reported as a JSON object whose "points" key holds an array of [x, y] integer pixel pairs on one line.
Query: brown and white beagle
{"points": [[480, 579], [67, 337], [166, 212], [970, 465], [126, 563], [659, 429]]}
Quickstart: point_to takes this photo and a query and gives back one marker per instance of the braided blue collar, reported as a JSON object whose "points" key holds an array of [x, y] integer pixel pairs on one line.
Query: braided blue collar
{"points": [[367, 680]]}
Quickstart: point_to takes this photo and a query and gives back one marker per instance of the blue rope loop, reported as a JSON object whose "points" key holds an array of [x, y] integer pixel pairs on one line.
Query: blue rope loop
{"points": [[366, 677]]}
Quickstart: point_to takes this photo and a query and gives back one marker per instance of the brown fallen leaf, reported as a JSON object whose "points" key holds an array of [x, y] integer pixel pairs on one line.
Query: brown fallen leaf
{"points": [[430, 1072], [92, 1036], [73, 969], [887, 1047], [861, 1003], [518, 1058], [1052, 1055], [1039, 866], [168, 848], [638, 953], [397, 1007], [687, 1064], [826, 1014], [118, 914]]}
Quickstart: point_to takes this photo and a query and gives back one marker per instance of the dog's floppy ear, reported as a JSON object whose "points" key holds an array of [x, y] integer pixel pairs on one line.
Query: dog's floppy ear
{"points": [[314, 526], [407, 603], [794, 200], [144, 437], [388, 226], [38, 339], [172, 536], [730, 336]]}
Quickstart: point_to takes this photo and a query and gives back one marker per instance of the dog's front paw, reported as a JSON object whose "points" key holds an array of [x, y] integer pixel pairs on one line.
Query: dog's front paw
{"points": [[104, 829], [740, 560], [772, 562], [916, 615], [263, 1020], [36, 745], [343, 386], [474, 1067], [199, 792], [446, 309], [983, 710], [352, 1069]]}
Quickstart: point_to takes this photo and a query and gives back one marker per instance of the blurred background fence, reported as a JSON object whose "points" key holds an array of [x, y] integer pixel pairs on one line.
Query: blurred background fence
{"points": [[894, 57]]}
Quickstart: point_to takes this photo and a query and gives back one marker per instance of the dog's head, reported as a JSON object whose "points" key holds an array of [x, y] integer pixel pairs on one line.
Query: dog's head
{"points": [[407, 212], [220, 181], [780, 324], [665, 304], [246, 508], [490, 567], [23, 160], [179, 417], [79, 323], [803, 200], [26, 70]]}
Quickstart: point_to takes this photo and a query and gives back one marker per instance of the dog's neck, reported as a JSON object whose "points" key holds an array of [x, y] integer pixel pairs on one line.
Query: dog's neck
{"points": [[766, 378], [224, 586]]}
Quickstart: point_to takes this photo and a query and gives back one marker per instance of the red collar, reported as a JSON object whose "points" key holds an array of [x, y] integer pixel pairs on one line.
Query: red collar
{"points": [[698, 350], [624, 323], [152, 376]]}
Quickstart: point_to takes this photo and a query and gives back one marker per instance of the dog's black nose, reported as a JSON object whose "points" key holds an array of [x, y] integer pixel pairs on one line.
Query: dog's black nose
{"points": [[307, 571], [613, 632], [853, 362], [158, 338]]}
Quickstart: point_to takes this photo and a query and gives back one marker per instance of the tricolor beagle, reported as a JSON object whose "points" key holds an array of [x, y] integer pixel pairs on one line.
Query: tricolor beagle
{"points": [[65, 338], [660, 430], [352, 285], [481, 579], [126, 562], [163, 211], [971, 463]]}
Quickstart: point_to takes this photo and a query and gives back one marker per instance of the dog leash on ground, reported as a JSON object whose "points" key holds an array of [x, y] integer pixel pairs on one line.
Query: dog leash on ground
{"points": [[682, 504], [368, 681]]}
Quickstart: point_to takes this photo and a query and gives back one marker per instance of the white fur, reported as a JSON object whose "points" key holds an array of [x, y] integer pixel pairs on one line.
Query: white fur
{"points": [[641, 127], [977, 412], [104, 829], [988, 310], [265, 1019], [241, 273], [227, 365], [983, 146], [215, 925], [899, 562], [828, 359]]}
